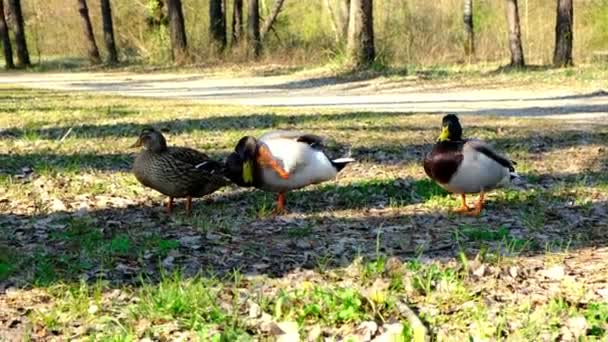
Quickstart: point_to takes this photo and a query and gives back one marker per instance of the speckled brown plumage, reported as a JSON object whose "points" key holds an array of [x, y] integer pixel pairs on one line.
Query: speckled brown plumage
{"points": [[175, 171]]}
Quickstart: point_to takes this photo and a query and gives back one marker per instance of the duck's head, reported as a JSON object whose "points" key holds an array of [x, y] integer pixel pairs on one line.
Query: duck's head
{"points": [[151, 140], [240, 163], [450, 129]]}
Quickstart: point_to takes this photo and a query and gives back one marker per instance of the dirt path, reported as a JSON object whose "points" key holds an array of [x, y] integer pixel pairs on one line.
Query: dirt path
{"points": [[379, 94]]}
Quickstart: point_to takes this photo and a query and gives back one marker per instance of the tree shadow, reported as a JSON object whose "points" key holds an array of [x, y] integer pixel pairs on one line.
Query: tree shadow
{"points": [[517, 69], [378, 153], [178, 126], [38, 161], [267, 121], [328, 226]]}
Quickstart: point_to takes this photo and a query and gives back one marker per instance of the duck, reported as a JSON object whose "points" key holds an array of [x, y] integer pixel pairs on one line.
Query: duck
{"points": [[175, 171], [281, 161], [466, 166]]}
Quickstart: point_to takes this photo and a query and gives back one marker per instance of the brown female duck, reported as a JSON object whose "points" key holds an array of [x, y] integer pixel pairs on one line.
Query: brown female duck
{"points": [[176, 172]]}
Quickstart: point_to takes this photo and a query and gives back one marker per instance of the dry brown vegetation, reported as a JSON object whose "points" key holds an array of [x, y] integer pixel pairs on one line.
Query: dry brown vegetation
{"points": [[407, 32]]}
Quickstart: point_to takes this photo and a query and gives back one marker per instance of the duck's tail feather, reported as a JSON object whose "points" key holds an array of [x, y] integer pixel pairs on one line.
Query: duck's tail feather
{"points": [[340, 163]]}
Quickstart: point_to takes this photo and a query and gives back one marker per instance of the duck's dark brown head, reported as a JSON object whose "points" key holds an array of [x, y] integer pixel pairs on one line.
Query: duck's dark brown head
{"points": [[451, 129], [152, 140], [240, 164]]}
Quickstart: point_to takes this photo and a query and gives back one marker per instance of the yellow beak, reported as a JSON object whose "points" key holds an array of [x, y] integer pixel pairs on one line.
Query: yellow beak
{"points": [[445, 133], [248, 172]]}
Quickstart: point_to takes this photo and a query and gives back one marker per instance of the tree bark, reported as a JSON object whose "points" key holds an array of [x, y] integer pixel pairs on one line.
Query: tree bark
{"points": [[23, 56], [562, 55], [156, 16], [253, 24], [360, 47], [333, 18], [278, 4], [339, 19], [515, 45], [179, 45], [469, 42], [108, 31], [93, 51], [237, 21], [6, 41], [217, 23], [343, 17]]}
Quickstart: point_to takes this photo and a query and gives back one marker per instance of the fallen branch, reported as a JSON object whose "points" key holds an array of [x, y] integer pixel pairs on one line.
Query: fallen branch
{"points": [[419, 330], [271, 19], [66, 135]]}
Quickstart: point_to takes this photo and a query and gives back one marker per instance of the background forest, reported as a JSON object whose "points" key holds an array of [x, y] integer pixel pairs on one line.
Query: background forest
{"points": [[413, 32]]}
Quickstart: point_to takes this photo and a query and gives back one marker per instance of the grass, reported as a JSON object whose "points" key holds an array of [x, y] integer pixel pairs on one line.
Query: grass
{"points": [[87, 253]]}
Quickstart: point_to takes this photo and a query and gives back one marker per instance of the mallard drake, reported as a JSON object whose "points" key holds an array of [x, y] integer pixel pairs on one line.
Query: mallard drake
{"points": [[281, 161], [466, 166], [176, 172]]}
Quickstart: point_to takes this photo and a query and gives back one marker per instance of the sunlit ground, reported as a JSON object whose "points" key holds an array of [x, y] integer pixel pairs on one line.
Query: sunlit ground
{"points": [[86, 251]]}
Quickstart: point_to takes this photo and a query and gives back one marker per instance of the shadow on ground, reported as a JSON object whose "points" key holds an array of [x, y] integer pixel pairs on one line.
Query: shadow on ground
{"points": [[327, 227], [510, 140]]}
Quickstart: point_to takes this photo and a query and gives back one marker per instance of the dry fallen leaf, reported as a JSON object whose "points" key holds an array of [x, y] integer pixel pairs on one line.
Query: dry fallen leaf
{"points": [[367, 330], [554, 273], [289, 333], [391, 332]]}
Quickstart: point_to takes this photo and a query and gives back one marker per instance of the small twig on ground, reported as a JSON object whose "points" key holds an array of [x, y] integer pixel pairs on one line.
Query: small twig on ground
{"points": [[66, 135], [419, 330]]}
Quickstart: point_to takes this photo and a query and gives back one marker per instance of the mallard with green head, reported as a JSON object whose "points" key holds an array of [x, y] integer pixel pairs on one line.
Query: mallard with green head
{"points": [[281, 161], [176, 172], [466, 166]]}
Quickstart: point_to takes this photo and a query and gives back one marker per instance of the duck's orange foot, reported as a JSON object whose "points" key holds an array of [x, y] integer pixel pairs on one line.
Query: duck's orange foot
{"points": [[169, 205], [475, 212], [464, 208], [280, 209], [478, 206]]}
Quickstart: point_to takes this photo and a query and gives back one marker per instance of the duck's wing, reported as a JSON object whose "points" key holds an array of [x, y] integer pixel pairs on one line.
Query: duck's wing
{"points": [[189, 177], [484, 148], [313, 140], [188, 155]]}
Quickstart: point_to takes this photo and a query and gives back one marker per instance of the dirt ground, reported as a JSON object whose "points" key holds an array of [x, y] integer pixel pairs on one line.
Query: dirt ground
{"points": [[396, 94]]}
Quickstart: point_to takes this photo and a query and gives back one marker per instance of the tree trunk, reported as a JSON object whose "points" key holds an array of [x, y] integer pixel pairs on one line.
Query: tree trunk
{"points": [[360, 48], [217, 23], [156, 16], [562, 55], [333, 19], [515, 46], [108, 31], [339, 19], [343, 15], [278, 4], [93, 51], [469, 42], [23, 56], [237, 21], [253, 24], [6, 41], [179, 45]]}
